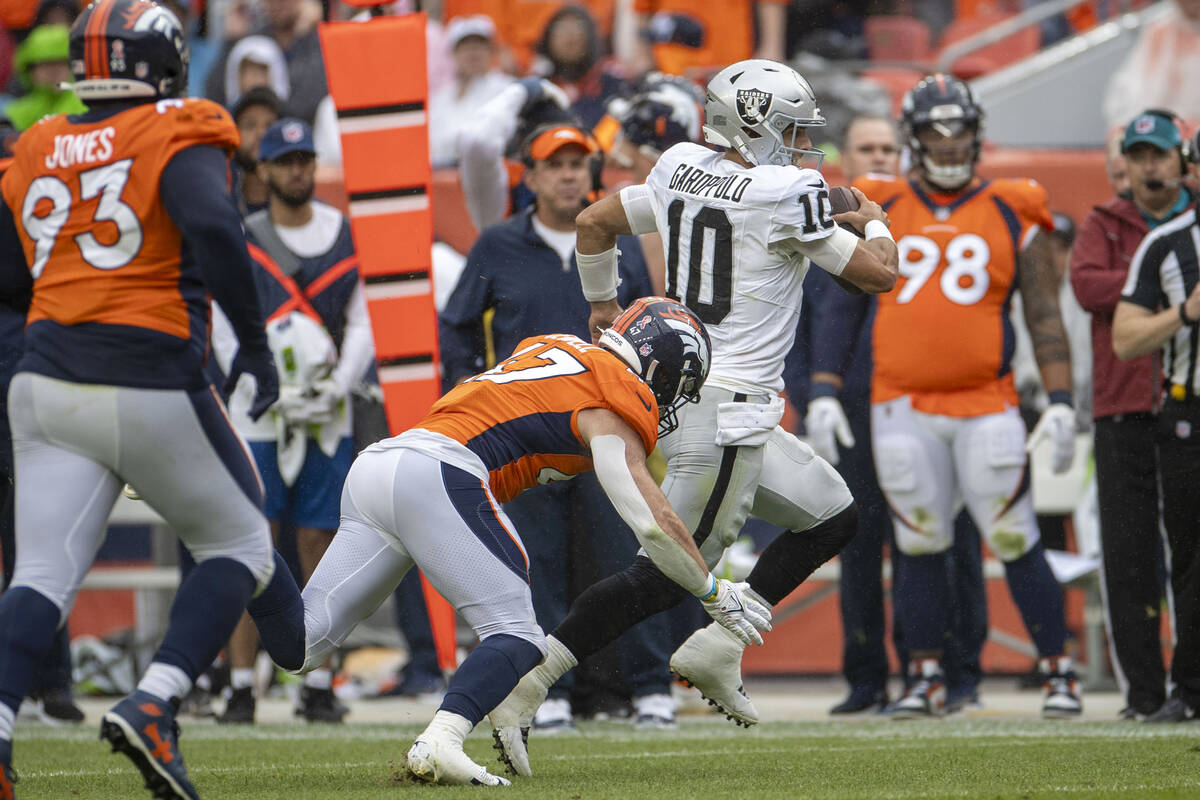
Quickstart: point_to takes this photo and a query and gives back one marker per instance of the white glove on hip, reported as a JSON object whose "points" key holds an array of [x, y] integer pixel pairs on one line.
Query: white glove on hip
{"points": [[825, 421], [1057, 424], [739, 610]]}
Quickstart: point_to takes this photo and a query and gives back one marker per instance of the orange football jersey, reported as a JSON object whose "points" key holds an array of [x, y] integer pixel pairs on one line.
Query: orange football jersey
{"points": [[728, 32], [943, 335], [99, 242], [521, 417]]}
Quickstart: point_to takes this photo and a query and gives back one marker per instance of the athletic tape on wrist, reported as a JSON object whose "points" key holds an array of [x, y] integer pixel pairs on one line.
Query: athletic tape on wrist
{"points": [[598, 275], [875, 229]]}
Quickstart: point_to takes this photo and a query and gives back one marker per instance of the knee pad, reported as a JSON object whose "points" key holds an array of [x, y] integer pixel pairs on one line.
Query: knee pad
{"points": [[254, 551]]}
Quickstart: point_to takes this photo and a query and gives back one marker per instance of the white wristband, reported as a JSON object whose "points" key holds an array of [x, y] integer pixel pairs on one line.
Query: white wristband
{"points": [[598, 275], [875, 229]]}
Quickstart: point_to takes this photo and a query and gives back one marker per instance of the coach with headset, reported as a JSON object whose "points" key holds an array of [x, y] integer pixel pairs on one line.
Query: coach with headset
{"points": [[1159, 309]]}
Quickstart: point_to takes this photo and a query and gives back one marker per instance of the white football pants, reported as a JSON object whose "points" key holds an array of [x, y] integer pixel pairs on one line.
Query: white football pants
{"points": [[713, 488], [930, 465], [75, 445], [402, 507]]}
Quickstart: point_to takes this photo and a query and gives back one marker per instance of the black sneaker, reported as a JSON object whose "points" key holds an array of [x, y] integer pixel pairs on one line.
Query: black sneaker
{"points": [[143, 728], [321, 705], [1174, 710], [862, 699], [240, 708], [58, 706]]}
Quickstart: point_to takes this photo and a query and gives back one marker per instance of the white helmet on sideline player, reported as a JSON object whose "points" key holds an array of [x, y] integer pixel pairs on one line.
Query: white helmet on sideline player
{"points": [[751, 104]]}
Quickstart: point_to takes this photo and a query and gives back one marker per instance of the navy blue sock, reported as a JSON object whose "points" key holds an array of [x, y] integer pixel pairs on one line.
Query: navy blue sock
{"points": [[1039, 598], [206, 609], [488, 675], [921, 600], [278, 613], [28, 624]]}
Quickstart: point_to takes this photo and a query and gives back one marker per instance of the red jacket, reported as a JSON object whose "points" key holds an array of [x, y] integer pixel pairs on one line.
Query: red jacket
{"points": [[1100, 260]]}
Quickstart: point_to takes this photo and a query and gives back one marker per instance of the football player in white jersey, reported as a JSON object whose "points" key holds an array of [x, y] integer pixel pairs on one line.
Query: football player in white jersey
{"points": [[740, 227]]}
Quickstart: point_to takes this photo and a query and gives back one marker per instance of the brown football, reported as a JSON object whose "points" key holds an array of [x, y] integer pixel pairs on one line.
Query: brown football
{"points": [[842, 200]]}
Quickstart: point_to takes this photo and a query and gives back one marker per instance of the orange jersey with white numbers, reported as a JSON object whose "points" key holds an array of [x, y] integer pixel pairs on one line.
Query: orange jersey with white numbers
{"points": [[97, 239], [943, 335], [521, 417]]}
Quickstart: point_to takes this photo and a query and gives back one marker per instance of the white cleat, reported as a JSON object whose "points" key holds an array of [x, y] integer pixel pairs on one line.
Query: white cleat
{"points": [[711, 661], [436, 760], [512, 719]]}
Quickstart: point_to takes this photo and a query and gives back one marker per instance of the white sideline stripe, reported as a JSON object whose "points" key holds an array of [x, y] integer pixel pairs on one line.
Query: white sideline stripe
{"points": [[379, 122], [387, 291], [407, 372], [388, 205]]}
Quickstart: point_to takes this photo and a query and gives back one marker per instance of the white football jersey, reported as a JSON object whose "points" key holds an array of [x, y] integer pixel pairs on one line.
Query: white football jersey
{"points": [[735, 244]]}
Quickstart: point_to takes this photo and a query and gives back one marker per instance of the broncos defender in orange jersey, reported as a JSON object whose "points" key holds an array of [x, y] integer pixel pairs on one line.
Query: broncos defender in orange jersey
{"points": [[431, 497], [946, 429], [119, 221]]}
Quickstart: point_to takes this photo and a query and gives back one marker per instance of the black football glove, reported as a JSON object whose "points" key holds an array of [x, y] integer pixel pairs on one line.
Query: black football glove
{"points": [[261, 365]]}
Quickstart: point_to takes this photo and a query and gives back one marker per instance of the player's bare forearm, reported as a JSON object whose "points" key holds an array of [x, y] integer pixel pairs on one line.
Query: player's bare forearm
{"points": [[1137, 331], [598, 226], [1039, 296]]}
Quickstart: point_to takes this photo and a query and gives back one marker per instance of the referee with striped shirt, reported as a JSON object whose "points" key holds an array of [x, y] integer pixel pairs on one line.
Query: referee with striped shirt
{"points": [[1160, 309]]}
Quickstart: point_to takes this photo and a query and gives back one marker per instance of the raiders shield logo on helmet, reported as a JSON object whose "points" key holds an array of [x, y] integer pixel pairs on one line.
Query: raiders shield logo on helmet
{"points": [[752, 105]]}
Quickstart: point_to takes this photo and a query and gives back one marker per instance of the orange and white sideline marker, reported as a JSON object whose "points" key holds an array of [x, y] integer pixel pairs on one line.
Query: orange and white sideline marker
{"points": [[377, 78]]}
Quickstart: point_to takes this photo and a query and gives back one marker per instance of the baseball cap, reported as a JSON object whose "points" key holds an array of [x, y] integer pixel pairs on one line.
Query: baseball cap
{"points": [[288, 135], [548, 141], [257, 96], [474, 25], [1154, 129]]}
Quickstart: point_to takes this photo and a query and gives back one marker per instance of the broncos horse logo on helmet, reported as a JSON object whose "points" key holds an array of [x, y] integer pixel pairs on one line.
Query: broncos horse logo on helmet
{"points": [[666, 345], [945, 106], [128, 48], [752, 104]]}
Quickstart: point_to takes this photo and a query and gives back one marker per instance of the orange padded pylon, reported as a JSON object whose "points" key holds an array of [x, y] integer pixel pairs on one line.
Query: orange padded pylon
{"points": [[376, 73]]}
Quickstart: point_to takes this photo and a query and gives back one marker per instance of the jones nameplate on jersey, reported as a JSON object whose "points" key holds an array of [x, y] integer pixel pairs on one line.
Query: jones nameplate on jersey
{"points": [[694, 180]]}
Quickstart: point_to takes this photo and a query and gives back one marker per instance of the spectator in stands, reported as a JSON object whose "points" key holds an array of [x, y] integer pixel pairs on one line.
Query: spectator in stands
{"points": [[571, 55], [309, 289], [254, 112], [1125, 406], [523, 269], [1158, 313], [839, 394], [41, 64], [292, 26], [1160, 70], [456, 105], [56, 12], [684, 37], [489, 150], [255, 61]]}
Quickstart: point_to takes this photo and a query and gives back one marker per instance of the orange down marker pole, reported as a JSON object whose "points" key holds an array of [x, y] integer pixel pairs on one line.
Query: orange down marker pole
{"points": [[376, 73]]}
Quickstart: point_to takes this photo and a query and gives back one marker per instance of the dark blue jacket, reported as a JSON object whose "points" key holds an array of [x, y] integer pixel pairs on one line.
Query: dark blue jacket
{"points": [[512, 270], [834, 335]]}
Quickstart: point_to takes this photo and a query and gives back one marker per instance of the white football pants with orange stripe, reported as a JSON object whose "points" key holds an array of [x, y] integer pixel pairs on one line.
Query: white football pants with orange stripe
{"points": [[407, 505]]}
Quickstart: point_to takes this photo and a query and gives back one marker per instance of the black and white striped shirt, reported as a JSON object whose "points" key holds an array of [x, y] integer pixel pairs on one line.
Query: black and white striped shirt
{"points": [[1164, 270]]}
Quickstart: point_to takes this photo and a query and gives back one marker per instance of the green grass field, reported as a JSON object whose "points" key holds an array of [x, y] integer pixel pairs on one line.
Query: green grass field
{"points": [[955, 758]]}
